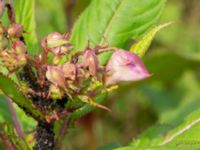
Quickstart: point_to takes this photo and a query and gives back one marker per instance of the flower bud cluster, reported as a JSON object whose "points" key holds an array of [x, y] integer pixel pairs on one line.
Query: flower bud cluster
{"points": [[82, 74], [12, 50]]}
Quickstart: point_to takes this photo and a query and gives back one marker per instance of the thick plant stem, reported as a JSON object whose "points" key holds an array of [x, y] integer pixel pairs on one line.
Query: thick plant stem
{"points": [[44, 136]]}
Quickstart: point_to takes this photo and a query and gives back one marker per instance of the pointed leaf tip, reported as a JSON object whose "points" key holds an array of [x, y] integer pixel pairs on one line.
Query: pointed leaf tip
{"points": [[141, 47]]}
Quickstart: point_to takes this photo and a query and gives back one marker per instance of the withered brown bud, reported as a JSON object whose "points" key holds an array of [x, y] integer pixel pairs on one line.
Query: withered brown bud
{"points": [[69, 70], [91, 62]]}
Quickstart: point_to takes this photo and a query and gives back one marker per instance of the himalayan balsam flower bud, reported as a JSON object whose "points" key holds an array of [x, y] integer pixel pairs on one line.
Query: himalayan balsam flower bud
{"points": [[90, 61], [55, 40], [56, 76], [15, 30], [124, 66], [56, 43]]}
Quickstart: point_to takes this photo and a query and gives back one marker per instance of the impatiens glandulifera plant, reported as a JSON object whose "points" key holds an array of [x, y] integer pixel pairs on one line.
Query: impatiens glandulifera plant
{"points": [[64, 80]]}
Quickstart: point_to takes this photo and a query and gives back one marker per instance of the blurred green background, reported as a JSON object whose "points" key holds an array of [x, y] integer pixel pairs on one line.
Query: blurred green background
{"points": [[170, 94]]}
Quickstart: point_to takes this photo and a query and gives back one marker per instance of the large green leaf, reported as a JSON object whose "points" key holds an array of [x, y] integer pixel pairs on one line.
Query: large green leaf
{"points": [[25, 15], [117, 20], [11, 90]]}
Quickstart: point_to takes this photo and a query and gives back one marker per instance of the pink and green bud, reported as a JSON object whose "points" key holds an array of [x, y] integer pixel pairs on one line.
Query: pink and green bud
{"points": [[15, 30], [91, 62], [124, 66], [56, 43]]}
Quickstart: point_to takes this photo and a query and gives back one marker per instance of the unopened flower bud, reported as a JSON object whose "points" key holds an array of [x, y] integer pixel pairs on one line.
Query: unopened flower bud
{"points": [[19, 47], [124, 66], [56, 43], [55, 40], [90, 61], [56, 76], [69, 70], [15, 30]]}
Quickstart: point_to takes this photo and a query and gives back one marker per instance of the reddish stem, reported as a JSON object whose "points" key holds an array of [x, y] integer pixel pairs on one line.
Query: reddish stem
{"points": [[7, 143]]}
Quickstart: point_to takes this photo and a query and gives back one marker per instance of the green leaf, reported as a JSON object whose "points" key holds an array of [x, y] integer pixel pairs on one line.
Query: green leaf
{"points": [[117, 20], [142, 46], [4, 110], [186, 135], [25, 15], [12, 90]]}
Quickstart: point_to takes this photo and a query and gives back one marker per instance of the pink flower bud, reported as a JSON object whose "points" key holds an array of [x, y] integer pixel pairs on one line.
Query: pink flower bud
{"points": [[69, 70], [90, 61], [19, 47], [56, 76], [56, 43], [124, 66], [55, 39], [15, 30]]}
